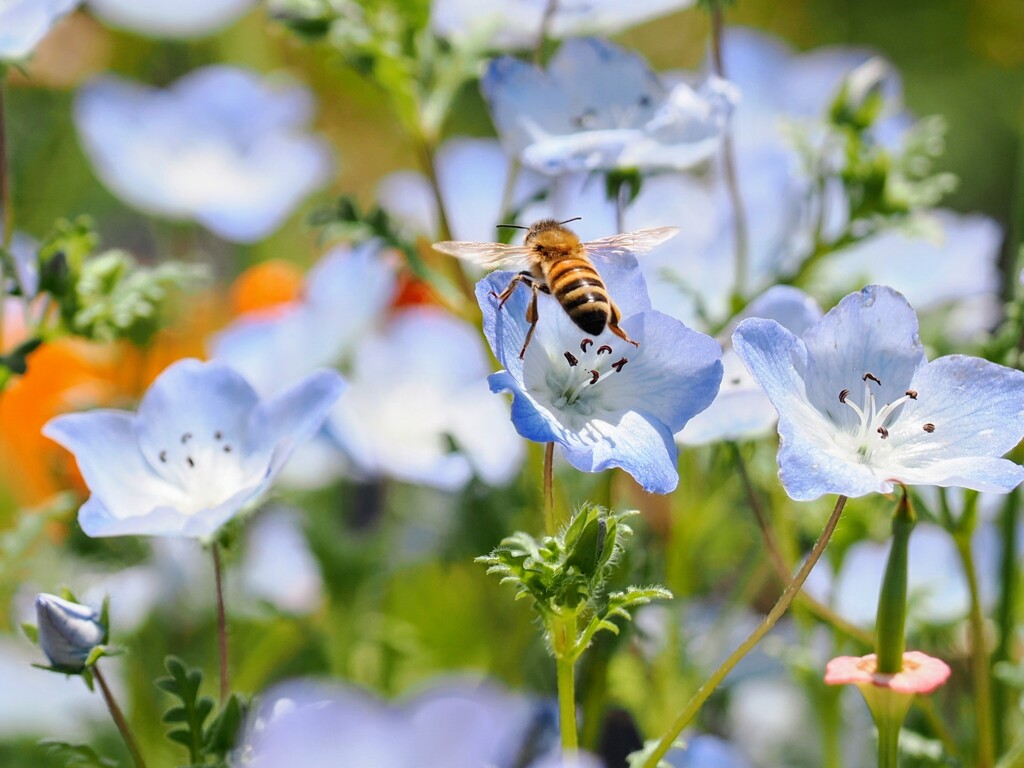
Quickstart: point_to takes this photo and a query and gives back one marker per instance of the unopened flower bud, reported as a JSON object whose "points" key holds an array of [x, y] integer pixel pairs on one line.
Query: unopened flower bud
{"points": [[67, 631]]}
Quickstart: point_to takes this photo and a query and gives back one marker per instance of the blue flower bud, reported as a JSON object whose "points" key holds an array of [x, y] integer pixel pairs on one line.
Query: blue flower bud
{"points": [[67, 631]]}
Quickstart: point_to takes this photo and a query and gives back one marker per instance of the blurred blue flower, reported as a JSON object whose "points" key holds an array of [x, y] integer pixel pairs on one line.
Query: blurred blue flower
{"points": [[472, 175], [516, 24], [221, 146], [344, 298], [419, 408], [179, 19], [451, 724], [23, 23], [600, 107], [741, 410], [67, 631], [607, 403], [860, 407], [201, 448], [278, 567]]}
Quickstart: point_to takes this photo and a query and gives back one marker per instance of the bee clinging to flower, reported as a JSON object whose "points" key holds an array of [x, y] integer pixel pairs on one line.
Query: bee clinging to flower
{"points": [[553, 260]]}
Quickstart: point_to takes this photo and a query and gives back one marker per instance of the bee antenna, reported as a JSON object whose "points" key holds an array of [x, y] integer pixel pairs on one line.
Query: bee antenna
{"points": [[567, 221], [513, 226]]}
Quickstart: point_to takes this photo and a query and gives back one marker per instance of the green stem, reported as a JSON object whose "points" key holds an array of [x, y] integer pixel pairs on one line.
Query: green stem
{"points": [[549, 488], [1006, 612], [564, 644], [890, 625], [740, 234], [222, 625], [119, 719], [542, 34], [7, 222], [888, 743], [769, 621], [979, 658]]}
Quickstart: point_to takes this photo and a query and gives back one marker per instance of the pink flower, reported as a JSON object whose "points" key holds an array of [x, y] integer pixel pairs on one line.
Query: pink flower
{"points": [[921, 673]]}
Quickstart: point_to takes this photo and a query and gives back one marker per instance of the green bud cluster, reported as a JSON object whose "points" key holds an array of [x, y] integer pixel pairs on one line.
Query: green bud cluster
{"points": [[566, 576]]}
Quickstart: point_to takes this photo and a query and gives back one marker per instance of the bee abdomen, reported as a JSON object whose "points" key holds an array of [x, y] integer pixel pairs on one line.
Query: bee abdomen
{"points": [[582, 294]]}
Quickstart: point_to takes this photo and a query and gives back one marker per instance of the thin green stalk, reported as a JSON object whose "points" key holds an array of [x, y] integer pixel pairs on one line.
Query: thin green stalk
{"points": [[7, 225], [769, 621], [564, 641], [741, 236], [778, 562], [979, 659], [119, 719], [222, 626], [1006, 613], [889, 743], [891, 621], [549, 489], [542, 33]]}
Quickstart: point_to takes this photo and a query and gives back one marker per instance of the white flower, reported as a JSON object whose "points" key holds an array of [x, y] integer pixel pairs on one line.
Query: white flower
{"points": [[67, 631], [171, 18]]}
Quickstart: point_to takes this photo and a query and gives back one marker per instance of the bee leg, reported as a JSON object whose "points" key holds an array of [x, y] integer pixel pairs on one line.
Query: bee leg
{"points": [[613, 326], [531, 318], [524, 277]]}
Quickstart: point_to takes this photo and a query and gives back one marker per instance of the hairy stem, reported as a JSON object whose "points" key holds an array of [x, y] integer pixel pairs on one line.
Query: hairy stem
{"points": [[564, 643], [549, 488], [119, 719], [769, 621], [222, 625]]}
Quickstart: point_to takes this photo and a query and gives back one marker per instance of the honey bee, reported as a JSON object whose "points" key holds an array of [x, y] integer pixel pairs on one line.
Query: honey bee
{"points": [[554, 260]]}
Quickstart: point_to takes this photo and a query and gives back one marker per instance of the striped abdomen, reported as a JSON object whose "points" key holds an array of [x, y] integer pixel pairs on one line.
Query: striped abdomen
{"points": [[579, 289]]}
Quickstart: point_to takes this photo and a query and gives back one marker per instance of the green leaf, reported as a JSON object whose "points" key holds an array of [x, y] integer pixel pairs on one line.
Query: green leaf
{"points": [[31, 632], [76, 755], [183, 683], [223, 731]]}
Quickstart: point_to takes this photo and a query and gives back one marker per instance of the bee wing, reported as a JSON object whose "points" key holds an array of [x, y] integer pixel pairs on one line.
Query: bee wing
{"points": [[486, 255], [629, 243]]}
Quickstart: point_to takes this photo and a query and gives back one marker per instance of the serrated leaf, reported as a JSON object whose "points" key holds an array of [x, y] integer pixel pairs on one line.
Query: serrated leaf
{"points": [[184, 684], [222, 732]]}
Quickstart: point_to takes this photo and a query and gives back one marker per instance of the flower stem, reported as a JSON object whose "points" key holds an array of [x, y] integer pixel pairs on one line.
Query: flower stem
{"points": [[563, 641], [739, 219], [549, 489], [542, 33], [979, 658], [1006, 612], [222, 625], [119, 720], [7, 221], [769, 621], [889, 743], [778, 562]]}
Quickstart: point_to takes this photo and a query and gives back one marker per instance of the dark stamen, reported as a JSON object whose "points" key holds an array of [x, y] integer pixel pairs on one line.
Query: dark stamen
{"points": [[186, 437], [586, 343], [594, 376], [603, 349], [218, 435], [163, 456], [190, 462], [617, 365], [736, 381], [843, 395], [227, 449], [929, 427], [883, 432], [871, 376], [571, 358], [911, 393]]}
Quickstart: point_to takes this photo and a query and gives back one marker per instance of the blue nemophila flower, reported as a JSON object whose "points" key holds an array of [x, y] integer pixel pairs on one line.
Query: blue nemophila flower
{"points": [[606, 402], [67, 631], [600, 107], [860, 407], [23, 23], [516, 24], [200, 449], [222, 146], [180, 19]]}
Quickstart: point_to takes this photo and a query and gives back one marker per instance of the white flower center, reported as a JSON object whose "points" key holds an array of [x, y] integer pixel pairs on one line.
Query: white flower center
{"points": [[207, 467], [576, 388], [874, 423]]}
